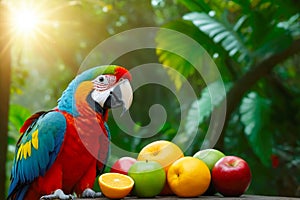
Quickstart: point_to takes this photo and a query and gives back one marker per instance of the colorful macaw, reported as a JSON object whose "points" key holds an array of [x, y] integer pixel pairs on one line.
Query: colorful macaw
{"points": [[61, 151]]}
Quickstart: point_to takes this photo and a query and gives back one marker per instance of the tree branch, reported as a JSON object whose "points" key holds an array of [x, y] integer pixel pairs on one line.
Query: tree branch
{"points": [[242, 85]]}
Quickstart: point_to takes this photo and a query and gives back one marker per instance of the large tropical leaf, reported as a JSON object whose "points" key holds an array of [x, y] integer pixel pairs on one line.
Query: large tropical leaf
{"points": [[168, 50], [255, 112], [202, 108], [292, 25], [221, 33]]}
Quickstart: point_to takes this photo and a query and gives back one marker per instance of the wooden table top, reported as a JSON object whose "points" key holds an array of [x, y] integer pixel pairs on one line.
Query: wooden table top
{"points": [[243, 197]]}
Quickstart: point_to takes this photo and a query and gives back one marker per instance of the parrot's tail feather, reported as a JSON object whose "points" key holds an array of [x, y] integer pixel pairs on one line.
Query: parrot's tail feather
{"points": [[19, 193]]}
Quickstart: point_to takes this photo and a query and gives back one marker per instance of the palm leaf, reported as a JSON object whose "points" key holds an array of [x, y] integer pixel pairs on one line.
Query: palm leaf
{"points": [[220, 33], [292, 25], [169, 50], [202, 108], [254, 112]]}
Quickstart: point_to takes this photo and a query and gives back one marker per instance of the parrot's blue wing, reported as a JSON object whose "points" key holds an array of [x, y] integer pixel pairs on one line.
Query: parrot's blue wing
{"points": [[36, 150]]}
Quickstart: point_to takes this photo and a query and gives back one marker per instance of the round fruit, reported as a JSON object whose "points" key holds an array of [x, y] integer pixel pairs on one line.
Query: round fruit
{"points": [[149, 178], [162, 151], [122, 165], [115, 185], [188, 177], [231, 176], [209, 156]]}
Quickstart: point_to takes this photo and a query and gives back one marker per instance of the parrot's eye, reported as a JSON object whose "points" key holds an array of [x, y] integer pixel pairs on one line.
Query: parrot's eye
{"points": [[101, 78]]}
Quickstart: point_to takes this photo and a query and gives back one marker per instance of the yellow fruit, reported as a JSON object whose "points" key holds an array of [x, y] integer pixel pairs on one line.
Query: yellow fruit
{"points": [[115, 185], [163, 152], [188, 177]]}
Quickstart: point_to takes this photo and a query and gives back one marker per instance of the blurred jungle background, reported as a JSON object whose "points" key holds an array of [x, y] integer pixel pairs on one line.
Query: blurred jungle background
{"points": [[254, 43]]}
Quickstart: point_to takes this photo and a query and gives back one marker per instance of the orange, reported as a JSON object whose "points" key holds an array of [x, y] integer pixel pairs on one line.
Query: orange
{"points": [[163, 152], [188, 177], [115, 185]]}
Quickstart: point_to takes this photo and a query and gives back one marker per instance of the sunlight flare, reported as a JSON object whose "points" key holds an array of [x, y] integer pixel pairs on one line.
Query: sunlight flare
{"points": [[25, 19]]}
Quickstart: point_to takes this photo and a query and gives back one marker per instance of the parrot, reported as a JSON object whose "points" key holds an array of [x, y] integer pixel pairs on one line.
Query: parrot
{"points": [[60, 152]]}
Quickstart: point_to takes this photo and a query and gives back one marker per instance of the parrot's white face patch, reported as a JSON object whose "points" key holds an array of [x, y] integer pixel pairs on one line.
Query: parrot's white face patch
{"points": [[100, 96], [120, 94], [104, 82]]}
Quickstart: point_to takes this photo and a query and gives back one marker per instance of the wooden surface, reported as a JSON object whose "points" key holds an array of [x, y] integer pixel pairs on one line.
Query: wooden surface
{"points": [[243, 197]]}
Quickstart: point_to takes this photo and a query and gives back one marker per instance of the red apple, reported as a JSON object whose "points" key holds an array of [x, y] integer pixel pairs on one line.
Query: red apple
{"points": [[122, 165], [231, 176]]}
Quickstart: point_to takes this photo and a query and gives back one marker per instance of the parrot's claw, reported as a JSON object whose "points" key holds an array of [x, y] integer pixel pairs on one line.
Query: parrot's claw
{"points": [[89, 193], [58, 194]]}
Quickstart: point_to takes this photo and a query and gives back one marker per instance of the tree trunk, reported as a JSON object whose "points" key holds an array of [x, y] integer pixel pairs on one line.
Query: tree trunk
{"points": [[244, 84], [4, 94]]}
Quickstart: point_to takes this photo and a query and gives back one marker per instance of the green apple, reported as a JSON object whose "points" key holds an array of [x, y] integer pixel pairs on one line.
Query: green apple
{"points": [[210, 157], [149, 178]]}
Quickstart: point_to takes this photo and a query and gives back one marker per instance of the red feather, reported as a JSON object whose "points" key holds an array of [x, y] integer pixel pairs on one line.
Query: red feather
{"points": [[121, 72], [30, 120]]}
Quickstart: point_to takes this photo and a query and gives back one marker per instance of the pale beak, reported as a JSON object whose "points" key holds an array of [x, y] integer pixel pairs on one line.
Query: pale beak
{"points": [[119, 95], [126, 94]]}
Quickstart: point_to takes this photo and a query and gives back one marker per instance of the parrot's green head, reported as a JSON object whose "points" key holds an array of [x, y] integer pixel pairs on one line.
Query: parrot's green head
{"points": [[98, 89]]}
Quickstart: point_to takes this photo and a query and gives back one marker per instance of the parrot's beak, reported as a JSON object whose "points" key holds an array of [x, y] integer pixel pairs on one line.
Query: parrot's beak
{"points": [[119, 95], [126, 94]]}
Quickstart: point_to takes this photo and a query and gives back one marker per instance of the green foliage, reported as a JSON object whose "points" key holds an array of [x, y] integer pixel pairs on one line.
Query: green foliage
{"points": [[255, 115], [205, 105], [196, 5], [221, 32], [173, 60], [292, 25], [201, 109], [194, 55]]}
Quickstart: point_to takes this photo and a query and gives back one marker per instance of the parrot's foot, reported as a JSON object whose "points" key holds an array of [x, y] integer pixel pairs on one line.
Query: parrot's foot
{"points": [[58, 194], [89, 193]]}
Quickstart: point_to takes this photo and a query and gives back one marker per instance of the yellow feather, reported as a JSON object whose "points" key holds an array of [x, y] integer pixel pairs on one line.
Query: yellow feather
{"points": [[19, 155], [27, 149], [35, 139]]}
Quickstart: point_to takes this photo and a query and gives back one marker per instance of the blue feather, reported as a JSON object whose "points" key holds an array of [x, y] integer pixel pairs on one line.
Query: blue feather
{"points": [[50, 130]]}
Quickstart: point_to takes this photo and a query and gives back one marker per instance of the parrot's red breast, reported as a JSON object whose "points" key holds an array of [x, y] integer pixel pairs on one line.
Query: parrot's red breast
{"points": [[83, 137]]}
